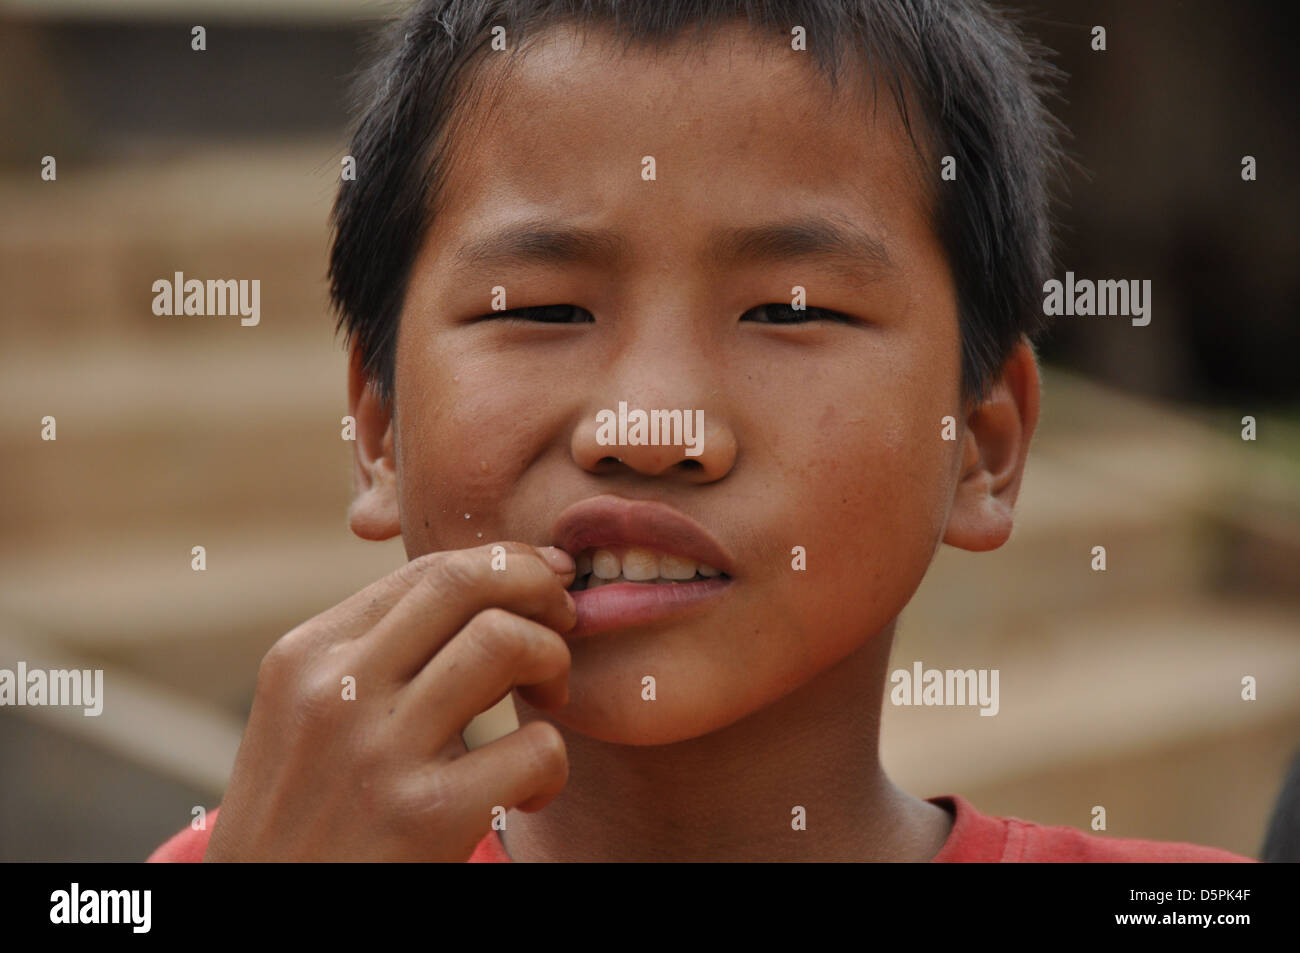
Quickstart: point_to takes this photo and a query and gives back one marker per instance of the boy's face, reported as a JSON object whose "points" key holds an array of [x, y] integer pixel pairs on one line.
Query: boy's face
{"points": [[819, 434]]}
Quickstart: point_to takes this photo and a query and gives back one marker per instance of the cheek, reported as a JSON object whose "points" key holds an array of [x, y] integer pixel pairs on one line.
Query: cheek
{"points": [[870, 505], [463, 444], [897, 475]]}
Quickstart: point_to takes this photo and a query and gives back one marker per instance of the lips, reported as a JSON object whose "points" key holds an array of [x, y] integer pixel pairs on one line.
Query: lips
{"points": [[610, 522], [632, 557]]}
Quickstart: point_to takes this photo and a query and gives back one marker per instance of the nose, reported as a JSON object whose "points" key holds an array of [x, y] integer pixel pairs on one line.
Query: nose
{"points": [[686, 444]]}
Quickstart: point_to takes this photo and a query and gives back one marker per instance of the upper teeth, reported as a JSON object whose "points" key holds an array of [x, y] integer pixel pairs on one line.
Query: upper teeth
{"points": [[639, 565]]}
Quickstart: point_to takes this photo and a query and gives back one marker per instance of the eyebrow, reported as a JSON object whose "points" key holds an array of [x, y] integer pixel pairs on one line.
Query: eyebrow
{"points": [[540, 243], [848, 249], [845, 247]]}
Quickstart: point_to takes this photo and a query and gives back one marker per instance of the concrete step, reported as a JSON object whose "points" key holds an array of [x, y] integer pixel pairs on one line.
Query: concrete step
{"points": [[232, 428], [136, 602], [1097, 702], [78, 256]]}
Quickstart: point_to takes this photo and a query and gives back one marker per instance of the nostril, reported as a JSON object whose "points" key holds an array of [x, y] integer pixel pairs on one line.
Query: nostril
{"points": [[691, 465]]}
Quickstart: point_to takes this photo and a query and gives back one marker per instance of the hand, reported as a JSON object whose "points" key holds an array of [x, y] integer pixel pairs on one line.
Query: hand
{"points": [[386, 776]]}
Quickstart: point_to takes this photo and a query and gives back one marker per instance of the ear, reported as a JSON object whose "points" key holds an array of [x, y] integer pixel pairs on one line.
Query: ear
{"points": [[995, 444], [374, 511]]}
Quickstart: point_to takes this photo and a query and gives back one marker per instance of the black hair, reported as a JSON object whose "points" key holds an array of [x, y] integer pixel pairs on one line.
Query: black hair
{"points": [[980, 82]]}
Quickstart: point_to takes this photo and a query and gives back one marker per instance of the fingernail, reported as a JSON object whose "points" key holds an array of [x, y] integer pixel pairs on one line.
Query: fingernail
{"points": [[559, 560]]}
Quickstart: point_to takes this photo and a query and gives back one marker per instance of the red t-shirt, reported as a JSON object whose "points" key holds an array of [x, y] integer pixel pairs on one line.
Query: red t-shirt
{"points": [[975, 838]]}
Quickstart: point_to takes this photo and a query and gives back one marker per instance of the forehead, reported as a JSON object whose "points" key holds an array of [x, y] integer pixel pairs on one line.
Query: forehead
{"points": [[740, 128]]}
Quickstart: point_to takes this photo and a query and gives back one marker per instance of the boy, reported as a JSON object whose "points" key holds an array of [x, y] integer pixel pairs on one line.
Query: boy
{"points": [[559, 222]]}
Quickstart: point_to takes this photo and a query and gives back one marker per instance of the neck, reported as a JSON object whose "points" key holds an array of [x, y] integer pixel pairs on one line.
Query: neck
{"points": [[730, 795]]}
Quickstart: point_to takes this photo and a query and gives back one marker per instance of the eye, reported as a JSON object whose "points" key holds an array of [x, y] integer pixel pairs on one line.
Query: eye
{"points": [[787, 314], [546, 314]]}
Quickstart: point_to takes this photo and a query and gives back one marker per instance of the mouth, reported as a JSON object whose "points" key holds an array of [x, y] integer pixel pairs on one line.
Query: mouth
{"points": [[604, 565], [639, 562]]}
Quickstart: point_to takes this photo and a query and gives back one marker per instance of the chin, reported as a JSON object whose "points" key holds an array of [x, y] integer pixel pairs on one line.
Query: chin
{"points": [[640, 723]]}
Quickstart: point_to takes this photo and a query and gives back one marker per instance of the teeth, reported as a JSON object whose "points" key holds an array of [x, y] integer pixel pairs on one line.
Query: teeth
{"points": [[640, 565], [604, 564], [675, 567]]}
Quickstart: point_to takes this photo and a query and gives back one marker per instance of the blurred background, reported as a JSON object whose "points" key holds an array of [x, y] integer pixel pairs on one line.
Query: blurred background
{"points": [[1120, 689]]}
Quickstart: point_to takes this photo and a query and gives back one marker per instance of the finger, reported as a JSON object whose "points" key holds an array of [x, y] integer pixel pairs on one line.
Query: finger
{"points": [[360, 612], [493, 653], [526, 769], [455, 588]]}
